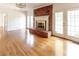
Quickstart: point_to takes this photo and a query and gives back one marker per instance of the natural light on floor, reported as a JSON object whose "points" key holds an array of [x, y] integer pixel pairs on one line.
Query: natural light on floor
{"points": [[72, 49]]}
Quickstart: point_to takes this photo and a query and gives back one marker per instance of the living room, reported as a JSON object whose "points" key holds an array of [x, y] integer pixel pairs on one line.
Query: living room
{"points": [[39, 29]]}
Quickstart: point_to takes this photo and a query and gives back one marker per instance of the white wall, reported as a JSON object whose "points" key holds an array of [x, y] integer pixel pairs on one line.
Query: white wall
{"points": [[65, 6], [1, 20], [15, 20]]}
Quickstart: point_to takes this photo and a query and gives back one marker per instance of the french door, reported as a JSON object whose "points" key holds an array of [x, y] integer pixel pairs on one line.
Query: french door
{"points": [[58, 23], [73, 23], [66, 24]]}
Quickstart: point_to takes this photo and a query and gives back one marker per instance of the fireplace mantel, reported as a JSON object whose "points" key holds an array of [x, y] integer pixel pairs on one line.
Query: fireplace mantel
{"points": [[41, 22]]}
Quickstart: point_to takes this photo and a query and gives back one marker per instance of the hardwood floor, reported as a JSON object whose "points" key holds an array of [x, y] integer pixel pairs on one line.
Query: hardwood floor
{"points": [[22, 43]]}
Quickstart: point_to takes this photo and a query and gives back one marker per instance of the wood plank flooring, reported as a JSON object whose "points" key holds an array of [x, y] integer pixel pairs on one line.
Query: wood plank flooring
{"points": [[23, 43]]}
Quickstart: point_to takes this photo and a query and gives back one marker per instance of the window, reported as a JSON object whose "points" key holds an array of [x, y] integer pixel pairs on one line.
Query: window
{"points": [[59, 22], [73, 23], [29, 21]]}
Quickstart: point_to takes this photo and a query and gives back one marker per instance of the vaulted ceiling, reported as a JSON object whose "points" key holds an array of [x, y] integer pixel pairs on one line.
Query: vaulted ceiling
{"points": [[28, 6]]}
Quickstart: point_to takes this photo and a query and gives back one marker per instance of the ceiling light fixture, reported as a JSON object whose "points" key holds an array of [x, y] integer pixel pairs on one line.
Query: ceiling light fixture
{"points": [[21, 5]]}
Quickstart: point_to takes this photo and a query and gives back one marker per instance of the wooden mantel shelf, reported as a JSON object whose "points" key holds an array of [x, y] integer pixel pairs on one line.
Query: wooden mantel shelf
{"points": [[44, 34]]}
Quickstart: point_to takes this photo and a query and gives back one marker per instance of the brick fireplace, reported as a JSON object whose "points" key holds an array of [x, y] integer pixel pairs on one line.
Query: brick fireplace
{"points": [[43, 12]]}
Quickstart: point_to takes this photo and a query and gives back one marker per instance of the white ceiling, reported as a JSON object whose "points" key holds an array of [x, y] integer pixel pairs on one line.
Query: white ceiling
{"points": [[37, 5], [28, 6]]}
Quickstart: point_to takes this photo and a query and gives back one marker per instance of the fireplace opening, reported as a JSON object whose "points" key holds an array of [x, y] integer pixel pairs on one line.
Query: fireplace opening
{"points": [[41, 25]]}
